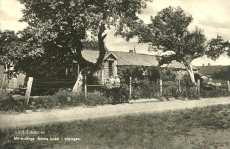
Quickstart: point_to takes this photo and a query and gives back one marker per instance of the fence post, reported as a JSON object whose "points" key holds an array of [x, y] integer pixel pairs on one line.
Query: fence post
{"points": [[179, 85], [161, 90], [130, 88], [85, 87], [28, 90], [3, 80], [198, 87], [228, 86]]}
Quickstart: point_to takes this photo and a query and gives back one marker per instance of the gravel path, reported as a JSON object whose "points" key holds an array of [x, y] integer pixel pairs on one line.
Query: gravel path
{"points": [[77, 113]]}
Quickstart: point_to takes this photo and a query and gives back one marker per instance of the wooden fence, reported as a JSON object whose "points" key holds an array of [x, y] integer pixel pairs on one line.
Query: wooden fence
{"points": [[15, 82], [160, 85], [41, 83]]}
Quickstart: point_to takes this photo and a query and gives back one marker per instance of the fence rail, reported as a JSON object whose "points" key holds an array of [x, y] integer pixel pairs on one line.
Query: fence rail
{"points": [[143, 89]]}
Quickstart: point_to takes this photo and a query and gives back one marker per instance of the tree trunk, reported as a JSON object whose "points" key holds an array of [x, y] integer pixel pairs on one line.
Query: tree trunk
{"points": [[191, 73], [79, 84], [91, 66]]}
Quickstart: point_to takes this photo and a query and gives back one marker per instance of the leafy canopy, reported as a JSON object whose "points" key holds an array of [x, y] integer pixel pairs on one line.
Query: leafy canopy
{"points": [[168, 31], [67, 22], [9, 47], [61, 27], [217, 46]]}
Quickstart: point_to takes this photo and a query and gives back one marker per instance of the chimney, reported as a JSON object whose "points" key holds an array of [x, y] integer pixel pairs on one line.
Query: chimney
{"points": [[130, 51], [209, 64], [202, 64], [134, 50]]}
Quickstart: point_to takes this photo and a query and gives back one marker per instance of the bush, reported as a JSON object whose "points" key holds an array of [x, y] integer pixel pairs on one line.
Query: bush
{"points": [[170, 90], [95, 98], [138, 72], [150, 89], [214, 93], [4, 95], [46, 102], [117, 94], [65, 98], [8, 103], [189, 93], [145, 89], [167, 74]]}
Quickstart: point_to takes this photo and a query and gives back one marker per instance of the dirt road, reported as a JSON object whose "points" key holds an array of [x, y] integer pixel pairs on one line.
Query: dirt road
{"points": [[77, 113]]}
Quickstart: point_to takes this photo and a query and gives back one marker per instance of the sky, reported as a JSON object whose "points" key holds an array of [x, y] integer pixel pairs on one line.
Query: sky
{"points": [[212, 16]]}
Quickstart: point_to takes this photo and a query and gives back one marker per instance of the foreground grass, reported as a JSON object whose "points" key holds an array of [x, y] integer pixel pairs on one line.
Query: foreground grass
{"points": [[195, 128]]}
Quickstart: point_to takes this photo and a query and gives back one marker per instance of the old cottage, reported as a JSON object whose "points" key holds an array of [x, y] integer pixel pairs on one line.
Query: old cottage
{"points": [[113, 60], [215, 71]]}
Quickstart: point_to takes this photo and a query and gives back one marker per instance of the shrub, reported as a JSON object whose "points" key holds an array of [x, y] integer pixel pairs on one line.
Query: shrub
{"points": [[46, 102], [91, 79], [4, 95], [65, 98], [117, 94], [186, 81], [167, 74], [214, 93], [95, 98], [138, 72], [189, 92], [8, 103], [145, 89], [170, 89]]}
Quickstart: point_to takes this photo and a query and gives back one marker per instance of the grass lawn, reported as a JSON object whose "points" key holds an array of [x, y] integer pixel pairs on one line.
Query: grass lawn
{"points": [[194, 128]]}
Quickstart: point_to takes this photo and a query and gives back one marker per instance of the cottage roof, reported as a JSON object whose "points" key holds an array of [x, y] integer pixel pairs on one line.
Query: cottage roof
{"points": [[177, 65], [211, 70], [126, 58]]}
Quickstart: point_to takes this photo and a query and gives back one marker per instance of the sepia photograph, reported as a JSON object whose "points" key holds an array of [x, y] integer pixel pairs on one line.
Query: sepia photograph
{"points": [[114, 74]]}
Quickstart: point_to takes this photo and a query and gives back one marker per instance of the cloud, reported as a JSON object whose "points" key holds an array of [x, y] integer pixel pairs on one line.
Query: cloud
{"points": [[12, 25], [212, 19], [10, 13], [223, 60], [5, 16]]}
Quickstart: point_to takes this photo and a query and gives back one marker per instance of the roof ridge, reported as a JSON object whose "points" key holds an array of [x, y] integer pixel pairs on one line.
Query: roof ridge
{"points": [[214, 65], [133, 53]]}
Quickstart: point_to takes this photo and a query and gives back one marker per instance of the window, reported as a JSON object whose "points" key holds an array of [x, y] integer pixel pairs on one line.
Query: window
{"points": [[110, 68]]}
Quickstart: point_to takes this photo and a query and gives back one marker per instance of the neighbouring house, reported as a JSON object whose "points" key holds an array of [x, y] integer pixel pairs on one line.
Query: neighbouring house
{"points": [[215, 71], [114, 60], [180, 69], [178, 66], [9, 78]]}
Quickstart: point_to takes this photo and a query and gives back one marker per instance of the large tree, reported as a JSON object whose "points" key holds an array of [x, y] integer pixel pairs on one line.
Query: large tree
{"points": [[10, 51], [8, 47], [168, 31], [63, 25], [43, 59], [217, 47]]}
